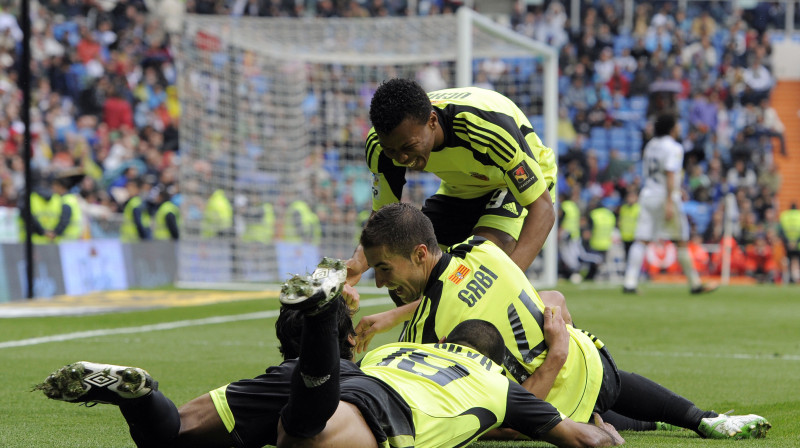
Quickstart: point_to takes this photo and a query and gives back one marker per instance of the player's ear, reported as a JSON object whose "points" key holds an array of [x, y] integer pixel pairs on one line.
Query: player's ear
{"points": [[433, 120], [420, 252]]}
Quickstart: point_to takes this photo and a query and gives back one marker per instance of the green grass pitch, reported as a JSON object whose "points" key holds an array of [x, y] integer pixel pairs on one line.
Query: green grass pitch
{"points": [[738, 348]]}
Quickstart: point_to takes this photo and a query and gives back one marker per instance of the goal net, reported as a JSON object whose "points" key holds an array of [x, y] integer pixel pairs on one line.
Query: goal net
{"points": [[275, 115]]}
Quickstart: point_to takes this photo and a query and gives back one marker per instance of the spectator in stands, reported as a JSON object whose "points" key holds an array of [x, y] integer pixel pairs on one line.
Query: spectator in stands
{"points": [[117, 111], [579, 96], [758, 81], [565, 128], [743, 147], [769, 124], [604, 66], [618, 82], [760, 263], [704, 26], [741, 176], [703, 112]]}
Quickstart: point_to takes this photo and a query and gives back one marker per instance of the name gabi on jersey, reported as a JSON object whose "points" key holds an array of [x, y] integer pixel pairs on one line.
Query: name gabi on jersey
{"points": [[482, 280]]}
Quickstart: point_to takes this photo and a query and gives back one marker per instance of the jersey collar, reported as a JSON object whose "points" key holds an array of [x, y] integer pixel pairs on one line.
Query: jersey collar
{"points": [[437, 271]]}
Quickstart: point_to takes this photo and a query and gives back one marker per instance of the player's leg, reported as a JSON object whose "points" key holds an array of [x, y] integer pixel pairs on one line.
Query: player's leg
{"points": [[345, 428], [201, 425], [650, 214], [643, 399], [152, 417], [678, 232], [314, 400]]}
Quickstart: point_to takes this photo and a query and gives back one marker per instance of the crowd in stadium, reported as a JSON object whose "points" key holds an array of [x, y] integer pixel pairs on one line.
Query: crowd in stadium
{"points": [[104, 101]]}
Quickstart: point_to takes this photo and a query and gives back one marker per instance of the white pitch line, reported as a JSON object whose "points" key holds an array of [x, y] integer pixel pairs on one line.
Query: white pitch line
{"points": [[162, 326]]}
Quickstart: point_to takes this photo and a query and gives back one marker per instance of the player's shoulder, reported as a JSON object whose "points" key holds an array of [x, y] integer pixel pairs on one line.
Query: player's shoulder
{"points": [[472, 245], [474, 97]]}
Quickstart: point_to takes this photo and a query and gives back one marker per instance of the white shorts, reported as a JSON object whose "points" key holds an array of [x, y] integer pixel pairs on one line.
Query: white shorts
{"points": [[651, 225]]}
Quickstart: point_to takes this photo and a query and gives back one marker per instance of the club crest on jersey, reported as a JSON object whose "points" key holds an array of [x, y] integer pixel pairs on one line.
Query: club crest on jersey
{"points": [[375, 186], [459, 275], [522, 176], [480, 176]]}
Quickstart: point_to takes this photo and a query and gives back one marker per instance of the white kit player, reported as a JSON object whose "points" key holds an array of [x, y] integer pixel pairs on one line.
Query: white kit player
{"points": [[661, 216]]}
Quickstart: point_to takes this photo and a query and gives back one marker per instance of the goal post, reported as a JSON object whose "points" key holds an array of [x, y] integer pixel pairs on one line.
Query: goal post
{"points": [[274, 119]]}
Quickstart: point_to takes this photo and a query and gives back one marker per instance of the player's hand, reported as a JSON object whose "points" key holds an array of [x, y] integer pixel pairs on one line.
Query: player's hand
{"points": [[609, 428], [556, 335], [351, 298], [354, 272], [669, 210], [371, 325]]}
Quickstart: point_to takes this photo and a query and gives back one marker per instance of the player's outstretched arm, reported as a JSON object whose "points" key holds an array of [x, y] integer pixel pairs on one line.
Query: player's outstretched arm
{"points": [[371, 325], [571, 434], [356, 265]]}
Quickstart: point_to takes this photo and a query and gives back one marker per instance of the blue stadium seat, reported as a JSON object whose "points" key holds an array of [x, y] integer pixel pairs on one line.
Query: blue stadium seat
{"points": [[602, 157], [598, 138], [622, 41], [563, 148], [618, 138], [634, 145], [563, 83], [638, 103], [537, 121], [699, 213]]}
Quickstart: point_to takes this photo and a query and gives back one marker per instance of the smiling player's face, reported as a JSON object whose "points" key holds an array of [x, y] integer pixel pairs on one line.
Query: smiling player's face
{"points": [[406, 276], [410, 143]]}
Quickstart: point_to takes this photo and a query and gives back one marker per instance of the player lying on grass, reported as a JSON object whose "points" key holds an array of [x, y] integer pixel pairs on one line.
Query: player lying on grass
{"points": [[322, 399], [477, 280]]}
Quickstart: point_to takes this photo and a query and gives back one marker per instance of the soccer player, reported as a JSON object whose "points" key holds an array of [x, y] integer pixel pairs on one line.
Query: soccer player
{"points": [[421, 395], [408, 395], [241, 414], [661, 215], [495, 171], [476, 279]]}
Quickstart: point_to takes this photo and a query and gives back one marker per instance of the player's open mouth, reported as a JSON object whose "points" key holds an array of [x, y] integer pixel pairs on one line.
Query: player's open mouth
{"points": [[412, 164]]}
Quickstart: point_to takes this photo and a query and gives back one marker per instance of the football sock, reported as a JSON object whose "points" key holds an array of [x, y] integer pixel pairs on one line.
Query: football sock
{"points": [[154, 420], [646, 400], [315, 380], [685, 260], [635, 261], [622, 423]]}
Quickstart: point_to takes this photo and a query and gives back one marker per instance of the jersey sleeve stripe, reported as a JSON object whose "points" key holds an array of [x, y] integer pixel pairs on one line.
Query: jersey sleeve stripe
{"points": [[371, 148], [480, 156], [482, 141], [501, 120], [489, 138], [527, 148]]}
